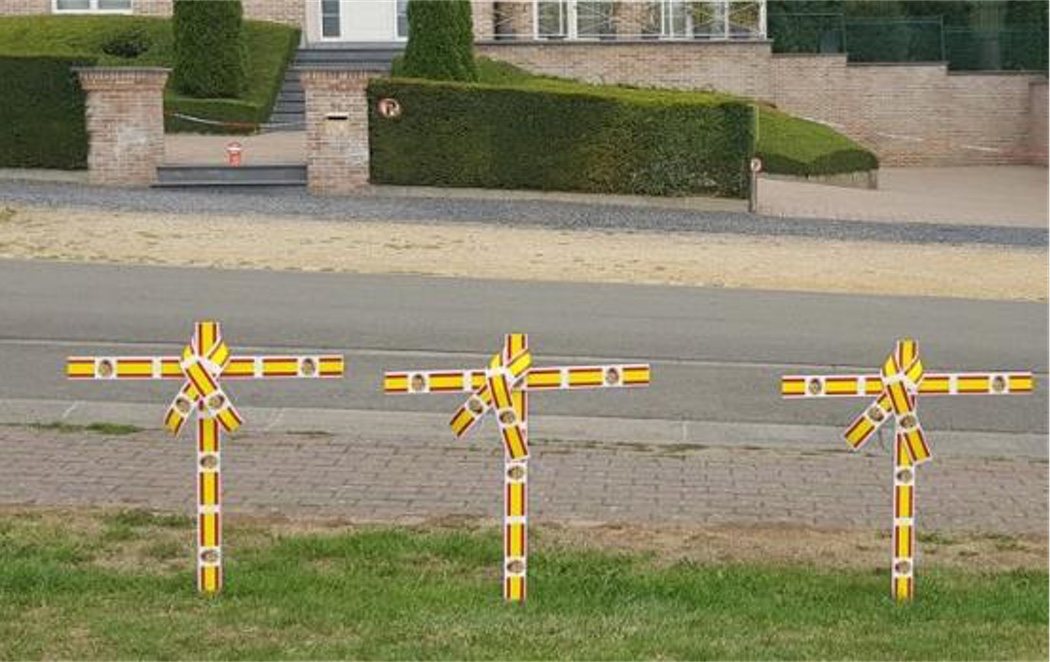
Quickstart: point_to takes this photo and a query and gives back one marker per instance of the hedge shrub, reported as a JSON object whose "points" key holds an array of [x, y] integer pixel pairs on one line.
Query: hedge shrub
{"points": [[42, 112], [210, 54], [583, 138], [440, 41], [788, 145]]}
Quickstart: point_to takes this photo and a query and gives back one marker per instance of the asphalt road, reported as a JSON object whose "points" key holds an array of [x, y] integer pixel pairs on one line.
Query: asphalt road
{"points": [[717, 354]]}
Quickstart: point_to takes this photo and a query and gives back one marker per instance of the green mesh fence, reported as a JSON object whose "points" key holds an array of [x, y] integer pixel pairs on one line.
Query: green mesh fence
{"points": [[887, 39], [1017, 48]]}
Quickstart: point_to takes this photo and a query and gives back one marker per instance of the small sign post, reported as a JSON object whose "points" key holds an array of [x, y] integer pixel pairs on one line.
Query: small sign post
{"points": [[756, 168]]}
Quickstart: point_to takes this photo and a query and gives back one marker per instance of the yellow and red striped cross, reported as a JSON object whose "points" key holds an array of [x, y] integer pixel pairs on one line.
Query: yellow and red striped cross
{"points": [[503, 389], [895, 391], [201, 365]]}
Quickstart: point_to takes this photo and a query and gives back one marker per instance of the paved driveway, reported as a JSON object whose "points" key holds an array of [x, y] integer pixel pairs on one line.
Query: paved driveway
{"points": [[1005, 196], [264, 149]]}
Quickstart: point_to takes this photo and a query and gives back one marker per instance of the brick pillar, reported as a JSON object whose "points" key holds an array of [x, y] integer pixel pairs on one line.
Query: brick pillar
{"points": [[336, 130], [1037, 121], [481, 12], [512, 19], [635, 19], [125, 124]]}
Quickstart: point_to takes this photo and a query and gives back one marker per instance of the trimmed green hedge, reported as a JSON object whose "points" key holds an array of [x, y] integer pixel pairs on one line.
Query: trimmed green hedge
{"points": [[271, 47], [788, 145], [792, 146], [561, 137], [440, 42], [42, 112], [210, 56]]}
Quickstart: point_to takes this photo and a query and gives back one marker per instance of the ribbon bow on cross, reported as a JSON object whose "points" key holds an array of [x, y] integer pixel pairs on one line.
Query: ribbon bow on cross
{"points": [[203, 361], [902, 372], [502, 385]]}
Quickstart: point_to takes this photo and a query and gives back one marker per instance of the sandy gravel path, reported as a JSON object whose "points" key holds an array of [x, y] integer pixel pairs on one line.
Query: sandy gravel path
{"points": [[483, 251]]}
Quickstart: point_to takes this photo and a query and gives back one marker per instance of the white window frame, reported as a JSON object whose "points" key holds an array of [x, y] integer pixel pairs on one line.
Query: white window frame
{"points": [[92, 9], [568, 17], [320, 21], [571, 17], [397, 21]]}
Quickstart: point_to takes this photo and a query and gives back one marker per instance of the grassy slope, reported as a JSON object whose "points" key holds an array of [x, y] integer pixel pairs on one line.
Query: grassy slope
{"points": [[120, 586], [269, 47], [788, 145], [793, 146]]}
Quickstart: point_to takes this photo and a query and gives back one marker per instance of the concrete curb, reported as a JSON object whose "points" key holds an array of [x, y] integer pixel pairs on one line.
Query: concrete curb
{"points": [[395, 426]]}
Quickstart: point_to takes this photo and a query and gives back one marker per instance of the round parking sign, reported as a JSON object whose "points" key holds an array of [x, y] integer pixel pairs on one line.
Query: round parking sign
{"points": [[389, 108]]}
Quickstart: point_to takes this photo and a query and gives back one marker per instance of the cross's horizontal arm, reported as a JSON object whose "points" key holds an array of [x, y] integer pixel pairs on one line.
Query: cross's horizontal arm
{"points": [[314, 366], [932, 384], [619, 375]]}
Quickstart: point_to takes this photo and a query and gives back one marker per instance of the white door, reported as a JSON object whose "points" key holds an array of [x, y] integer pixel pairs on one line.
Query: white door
{"points": [[357, 20]]}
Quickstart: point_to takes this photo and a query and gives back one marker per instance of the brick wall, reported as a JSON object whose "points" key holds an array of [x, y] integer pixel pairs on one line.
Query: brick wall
{"points": [[292, 12], [151, 7], [25, 6], [910, 114], [511, 20], [337, 159], [481, 12], [737, 67], [125, 124], [1037, 130]]}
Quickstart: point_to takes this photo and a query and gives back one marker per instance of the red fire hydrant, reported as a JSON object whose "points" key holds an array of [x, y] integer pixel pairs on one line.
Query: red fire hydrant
{"points": [[233, 154]]}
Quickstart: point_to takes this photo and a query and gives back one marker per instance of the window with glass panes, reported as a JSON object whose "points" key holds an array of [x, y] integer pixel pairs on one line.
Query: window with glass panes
{"points": [[92, 5]]}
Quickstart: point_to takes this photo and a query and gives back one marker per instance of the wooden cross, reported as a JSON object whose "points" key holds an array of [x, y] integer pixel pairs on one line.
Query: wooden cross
{"points": [[202, 363], [895, 391], [503, 389]]}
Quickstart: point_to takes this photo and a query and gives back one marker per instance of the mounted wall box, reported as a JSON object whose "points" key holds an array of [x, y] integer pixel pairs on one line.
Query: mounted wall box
{"points": [[337, 123]]}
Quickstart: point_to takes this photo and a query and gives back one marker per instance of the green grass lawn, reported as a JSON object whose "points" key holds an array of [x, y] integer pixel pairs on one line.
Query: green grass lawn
{"points": [[120, 586], [788, 145], [270, 47]]}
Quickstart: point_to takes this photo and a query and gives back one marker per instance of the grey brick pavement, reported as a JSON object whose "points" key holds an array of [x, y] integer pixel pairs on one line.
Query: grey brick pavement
{"points": [[334, 476]]}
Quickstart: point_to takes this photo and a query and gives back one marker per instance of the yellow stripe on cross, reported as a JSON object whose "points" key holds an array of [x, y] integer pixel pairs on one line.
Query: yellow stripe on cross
{"points": [[896, 389], [204, 362], [503, 389]]}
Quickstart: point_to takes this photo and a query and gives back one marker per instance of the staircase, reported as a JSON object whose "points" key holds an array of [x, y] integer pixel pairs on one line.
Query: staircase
{"points": [[289, 112], [193, 176]]}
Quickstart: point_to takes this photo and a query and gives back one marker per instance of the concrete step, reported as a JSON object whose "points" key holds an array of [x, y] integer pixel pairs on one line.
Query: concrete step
{"points": [[348, 51], [283, 107], [349, 56], [185, 176]]}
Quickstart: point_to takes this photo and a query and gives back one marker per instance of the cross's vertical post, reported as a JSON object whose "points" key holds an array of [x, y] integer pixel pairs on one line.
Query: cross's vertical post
{"points": [[516, 512], [504, 388], [203, 364], [209, 505], [896, 390], [903, 568]]}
